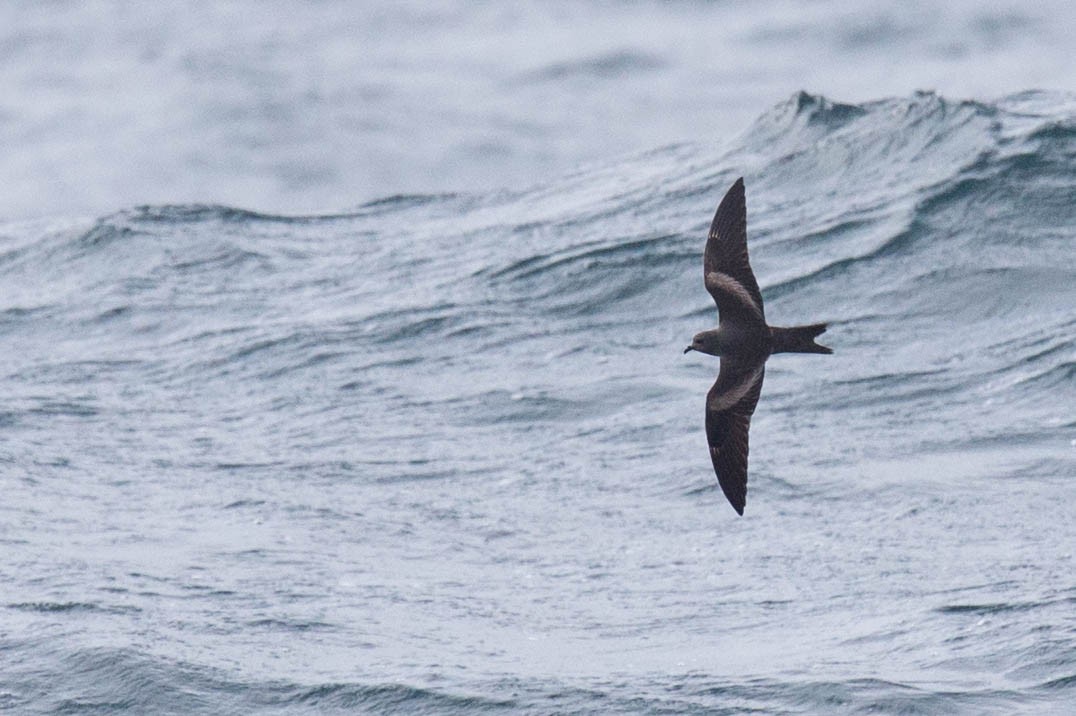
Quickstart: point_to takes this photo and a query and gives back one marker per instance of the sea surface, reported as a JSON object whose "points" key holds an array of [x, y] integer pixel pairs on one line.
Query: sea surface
{"points": [[308, 408]]}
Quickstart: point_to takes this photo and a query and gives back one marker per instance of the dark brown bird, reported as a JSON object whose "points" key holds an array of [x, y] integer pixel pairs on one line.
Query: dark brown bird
{"points": [[743, 341]]}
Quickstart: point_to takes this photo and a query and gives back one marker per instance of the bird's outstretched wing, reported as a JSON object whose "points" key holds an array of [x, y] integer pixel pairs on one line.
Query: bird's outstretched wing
{"points": [[729, 406], [726, 267]]}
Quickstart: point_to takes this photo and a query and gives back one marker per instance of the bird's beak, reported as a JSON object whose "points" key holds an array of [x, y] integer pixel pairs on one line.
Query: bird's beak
{"points": [[689, 348]]}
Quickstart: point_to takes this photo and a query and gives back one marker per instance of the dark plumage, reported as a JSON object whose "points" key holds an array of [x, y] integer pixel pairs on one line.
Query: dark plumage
{"points": [[743, 340]]}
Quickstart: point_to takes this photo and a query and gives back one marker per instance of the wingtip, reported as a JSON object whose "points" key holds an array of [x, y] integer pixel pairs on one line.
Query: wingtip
{"points": [[738, 505]]}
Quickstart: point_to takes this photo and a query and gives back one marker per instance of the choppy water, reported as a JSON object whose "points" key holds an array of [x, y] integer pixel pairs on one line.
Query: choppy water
{"points": [[442, 453]]}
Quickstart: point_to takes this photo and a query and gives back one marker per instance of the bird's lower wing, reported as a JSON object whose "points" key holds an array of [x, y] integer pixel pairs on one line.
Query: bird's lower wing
{"points": [[729, 406]]}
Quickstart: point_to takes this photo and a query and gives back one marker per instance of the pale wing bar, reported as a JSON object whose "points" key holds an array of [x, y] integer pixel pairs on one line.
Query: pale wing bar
{"points": [[734, 301]]}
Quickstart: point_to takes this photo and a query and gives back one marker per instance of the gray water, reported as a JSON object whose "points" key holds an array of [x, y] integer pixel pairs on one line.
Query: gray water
{"points": [[341, 372]]}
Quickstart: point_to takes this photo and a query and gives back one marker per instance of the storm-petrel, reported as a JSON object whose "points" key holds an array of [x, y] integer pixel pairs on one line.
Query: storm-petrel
{"points": [[742, 340]]}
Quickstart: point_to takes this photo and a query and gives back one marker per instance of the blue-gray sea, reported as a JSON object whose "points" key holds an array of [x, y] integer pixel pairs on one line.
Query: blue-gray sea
{"points": [[341, 371]]}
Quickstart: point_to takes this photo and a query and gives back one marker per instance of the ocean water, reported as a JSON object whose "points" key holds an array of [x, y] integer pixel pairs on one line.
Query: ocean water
{"points": [[420, 438]]}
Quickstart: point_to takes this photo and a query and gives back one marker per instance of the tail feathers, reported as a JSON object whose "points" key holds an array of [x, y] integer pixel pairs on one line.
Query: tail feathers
{"points": [[799, 339]]}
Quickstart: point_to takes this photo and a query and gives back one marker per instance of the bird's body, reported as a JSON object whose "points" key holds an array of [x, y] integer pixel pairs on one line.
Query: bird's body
{"points": [[743, 340]]}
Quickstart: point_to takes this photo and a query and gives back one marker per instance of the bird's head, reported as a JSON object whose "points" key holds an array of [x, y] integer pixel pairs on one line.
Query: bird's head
{"points": [[706, 342]]}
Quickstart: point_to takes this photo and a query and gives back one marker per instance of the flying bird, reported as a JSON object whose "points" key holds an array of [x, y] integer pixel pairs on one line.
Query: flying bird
{"points": [[743, 340]]}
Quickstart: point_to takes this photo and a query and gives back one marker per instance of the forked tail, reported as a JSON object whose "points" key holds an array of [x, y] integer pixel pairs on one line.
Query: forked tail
{"points": [[798, 339]]}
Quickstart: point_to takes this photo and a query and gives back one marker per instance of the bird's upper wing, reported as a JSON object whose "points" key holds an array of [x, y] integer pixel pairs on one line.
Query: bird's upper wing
{"points": [[726, 268], [729, 406]]}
